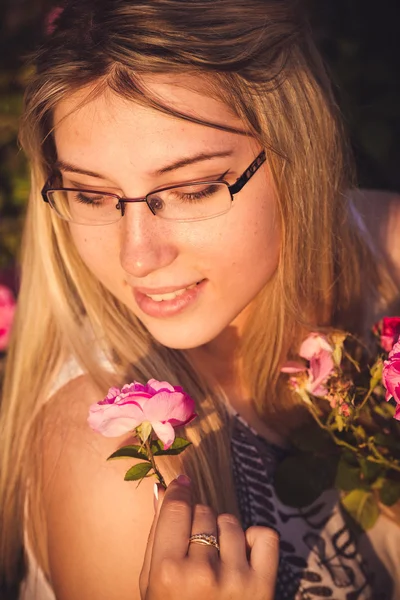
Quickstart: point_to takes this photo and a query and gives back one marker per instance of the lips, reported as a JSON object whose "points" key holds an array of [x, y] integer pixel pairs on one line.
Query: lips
{"points": [[170, 307]]}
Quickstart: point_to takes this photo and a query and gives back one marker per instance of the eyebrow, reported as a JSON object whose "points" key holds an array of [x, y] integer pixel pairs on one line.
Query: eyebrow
{"points": [[178, 164]]}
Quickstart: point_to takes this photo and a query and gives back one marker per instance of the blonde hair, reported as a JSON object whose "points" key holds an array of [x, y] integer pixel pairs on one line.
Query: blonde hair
{"points": [[256, 57]]}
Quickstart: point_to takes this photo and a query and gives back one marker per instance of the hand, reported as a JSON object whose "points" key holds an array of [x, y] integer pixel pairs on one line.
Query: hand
{"points": [[244, 569]]}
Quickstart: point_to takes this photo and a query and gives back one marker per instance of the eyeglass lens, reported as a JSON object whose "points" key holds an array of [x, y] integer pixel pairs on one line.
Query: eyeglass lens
{"points": [[183, 203]]}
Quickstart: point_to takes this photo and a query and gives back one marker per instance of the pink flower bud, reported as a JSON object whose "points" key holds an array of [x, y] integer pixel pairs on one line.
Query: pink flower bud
{"points": [[390, 332]]}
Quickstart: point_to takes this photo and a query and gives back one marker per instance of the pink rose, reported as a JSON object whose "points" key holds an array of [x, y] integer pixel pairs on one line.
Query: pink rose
{"points": [[317, 350], [391, 377], [162, 405], [7, 310], [390, 332]]}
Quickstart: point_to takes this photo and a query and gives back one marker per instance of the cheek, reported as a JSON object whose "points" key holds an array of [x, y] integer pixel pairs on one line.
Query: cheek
{"points": [[97, 250], [250, 243]]}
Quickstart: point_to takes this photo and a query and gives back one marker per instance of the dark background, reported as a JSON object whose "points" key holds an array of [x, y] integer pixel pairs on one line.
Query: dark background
{"points": [[357, 38]]}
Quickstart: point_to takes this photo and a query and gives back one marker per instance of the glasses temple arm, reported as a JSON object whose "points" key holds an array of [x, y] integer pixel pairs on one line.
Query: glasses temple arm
{"points": [[243, 179]]}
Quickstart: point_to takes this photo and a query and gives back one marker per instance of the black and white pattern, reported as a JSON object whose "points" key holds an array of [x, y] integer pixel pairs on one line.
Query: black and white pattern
{"points": [[319, 557]]}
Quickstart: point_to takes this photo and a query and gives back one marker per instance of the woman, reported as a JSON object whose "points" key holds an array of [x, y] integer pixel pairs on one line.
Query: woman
{"points": [[207, 285]]}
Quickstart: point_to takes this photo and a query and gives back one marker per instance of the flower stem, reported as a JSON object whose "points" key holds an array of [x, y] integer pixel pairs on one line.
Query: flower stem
{"points": [[330, 432], [378, 458], [363, 403], [153, 464]]}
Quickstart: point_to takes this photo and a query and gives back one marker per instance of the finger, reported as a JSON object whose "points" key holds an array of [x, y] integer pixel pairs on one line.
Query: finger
{"points": [[263, 545], [204, 521], [174, 523], [144, 574], [232, 542]]}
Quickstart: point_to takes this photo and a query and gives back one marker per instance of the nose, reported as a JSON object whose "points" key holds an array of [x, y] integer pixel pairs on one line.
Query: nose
{"points": [[146, 241]]}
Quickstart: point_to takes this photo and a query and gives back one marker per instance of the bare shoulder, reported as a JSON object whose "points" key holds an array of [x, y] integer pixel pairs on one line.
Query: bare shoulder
{"points": [[380, 211], [97, 523]]}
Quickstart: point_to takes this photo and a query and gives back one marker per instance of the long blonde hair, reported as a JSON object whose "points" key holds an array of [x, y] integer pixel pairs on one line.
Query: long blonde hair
{"points": [[257, 57]]}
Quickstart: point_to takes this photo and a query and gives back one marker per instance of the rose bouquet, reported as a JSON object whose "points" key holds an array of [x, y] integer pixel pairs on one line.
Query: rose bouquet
{"points": [[151, 412], [353, 444]]}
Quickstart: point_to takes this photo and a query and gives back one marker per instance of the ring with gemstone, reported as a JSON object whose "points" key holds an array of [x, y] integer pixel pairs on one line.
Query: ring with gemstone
{"points": [[207, 539]]}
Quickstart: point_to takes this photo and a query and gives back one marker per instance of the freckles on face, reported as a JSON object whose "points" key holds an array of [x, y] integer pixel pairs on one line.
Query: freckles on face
{"points": [[236, 253]]}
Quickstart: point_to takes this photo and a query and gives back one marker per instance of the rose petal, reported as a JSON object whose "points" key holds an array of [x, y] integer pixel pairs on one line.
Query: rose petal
{"points": [[113, 420], [165, 406], [395, 350], [139, 397], [165, 432], [157, 386], [112, 394], [135, 387], [321, 367], [391, 377], [313, 345]]}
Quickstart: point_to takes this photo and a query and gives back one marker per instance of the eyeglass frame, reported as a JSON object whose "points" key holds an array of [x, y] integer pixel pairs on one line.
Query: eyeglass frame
{"points": [[233, 189]]}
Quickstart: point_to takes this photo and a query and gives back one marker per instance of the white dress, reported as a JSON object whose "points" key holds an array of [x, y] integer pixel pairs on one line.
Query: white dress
{"points": [[343, 575], [36, 586]]}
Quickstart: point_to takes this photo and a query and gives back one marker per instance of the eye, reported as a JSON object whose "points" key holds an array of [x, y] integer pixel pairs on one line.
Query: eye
{"points": [[89, 198], [199, 194], [193, 193]]}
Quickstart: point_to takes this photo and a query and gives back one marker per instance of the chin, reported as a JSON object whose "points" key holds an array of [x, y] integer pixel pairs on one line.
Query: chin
{"points": [[181, 337]]}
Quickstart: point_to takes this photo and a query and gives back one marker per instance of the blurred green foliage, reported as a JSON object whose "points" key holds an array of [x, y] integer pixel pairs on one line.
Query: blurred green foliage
{"points": [[357, 38], [21, 27], [14, 187]]}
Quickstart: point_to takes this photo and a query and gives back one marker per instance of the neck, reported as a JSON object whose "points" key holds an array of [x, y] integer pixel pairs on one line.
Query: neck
{"points": [[219, 359]]}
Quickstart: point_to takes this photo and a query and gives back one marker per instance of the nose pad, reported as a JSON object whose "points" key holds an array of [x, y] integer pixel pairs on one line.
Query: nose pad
{"points": [[121, 206], [155, 204]]}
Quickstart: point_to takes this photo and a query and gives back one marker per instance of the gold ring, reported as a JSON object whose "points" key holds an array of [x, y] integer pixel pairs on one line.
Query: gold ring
{"points": [[208, 539]]}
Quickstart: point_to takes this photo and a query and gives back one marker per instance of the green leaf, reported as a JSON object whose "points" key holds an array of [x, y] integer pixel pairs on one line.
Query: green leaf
{"points": [[359, 433], [386, 440], [339, 422], [178, 446], [389, 492], [363, 507], [376, 374], [299, 480], [129, 452], [348, 476], [137, 472], [371, 470]]}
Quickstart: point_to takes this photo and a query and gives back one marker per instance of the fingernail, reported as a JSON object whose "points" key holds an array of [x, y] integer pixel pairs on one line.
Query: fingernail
{"points": [[183, 480]]}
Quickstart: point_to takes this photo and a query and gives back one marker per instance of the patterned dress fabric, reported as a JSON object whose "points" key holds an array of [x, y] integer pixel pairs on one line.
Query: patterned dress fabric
{"points": [[319, 557]]}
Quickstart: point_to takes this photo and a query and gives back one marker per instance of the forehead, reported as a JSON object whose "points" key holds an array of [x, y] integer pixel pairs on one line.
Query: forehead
{"points": [[108, 125]]}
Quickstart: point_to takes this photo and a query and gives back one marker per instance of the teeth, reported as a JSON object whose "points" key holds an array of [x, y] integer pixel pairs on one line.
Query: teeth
{"points": [[170, 296]]}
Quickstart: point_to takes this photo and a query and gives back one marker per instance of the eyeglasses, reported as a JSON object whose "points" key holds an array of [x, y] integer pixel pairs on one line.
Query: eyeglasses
{"points": [[193, 201]]}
